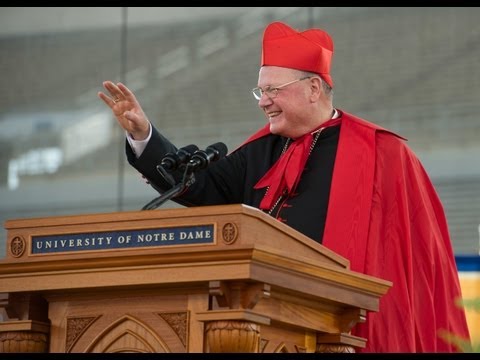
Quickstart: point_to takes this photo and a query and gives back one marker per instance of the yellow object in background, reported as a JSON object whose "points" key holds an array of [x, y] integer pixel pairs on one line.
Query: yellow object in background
{"points": [[469, 274]]}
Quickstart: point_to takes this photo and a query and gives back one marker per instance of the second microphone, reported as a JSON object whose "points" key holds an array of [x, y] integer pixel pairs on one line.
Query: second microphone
{"points": [[171, 161], [202, 158]]}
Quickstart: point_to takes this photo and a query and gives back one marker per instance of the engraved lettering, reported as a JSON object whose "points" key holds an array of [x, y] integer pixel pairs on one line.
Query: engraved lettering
{"points": [[104, 240]]}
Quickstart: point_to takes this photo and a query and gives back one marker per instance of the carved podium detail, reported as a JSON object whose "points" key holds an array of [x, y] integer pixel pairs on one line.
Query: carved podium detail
{"points": [[333, 348], [179, 323], [26, 328], [75, 328], [17, 246], [23, 341], [207, 279], [232, 336]]}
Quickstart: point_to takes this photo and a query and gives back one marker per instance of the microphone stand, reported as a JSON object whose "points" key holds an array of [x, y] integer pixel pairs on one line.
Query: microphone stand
{"points": [[187, 180]]}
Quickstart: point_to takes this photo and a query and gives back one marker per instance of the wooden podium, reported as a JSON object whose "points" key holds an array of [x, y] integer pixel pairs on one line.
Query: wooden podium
{"points": [[205, 279]]}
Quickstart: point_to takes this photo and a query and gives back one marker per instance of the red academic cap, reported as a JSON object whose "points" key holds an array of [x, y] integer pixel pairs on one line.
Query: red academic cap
{"points": [[309, 50]]}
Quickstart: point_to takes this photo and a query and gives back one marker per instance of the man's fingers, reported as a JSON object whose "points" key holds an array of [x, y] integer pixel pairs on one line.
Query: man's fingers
{"points": [[126, 92], [115, 92], [107, 100]]}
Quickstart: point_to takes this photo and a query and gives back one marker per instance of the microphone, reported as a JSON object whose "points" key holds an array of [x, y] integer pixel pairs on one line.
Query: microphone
{"points": [[202, 158], [171, 161]]}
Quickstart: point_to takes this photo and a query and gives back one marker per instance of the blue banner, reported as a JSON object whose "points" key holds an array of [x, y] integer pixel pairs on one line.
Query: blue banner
{"points": [[201, 234]]}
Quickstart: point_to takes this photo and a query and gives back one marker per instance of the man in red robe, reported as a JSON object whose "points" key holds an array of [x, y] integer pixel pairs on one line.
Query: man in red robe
{"points": [[345, 182]]}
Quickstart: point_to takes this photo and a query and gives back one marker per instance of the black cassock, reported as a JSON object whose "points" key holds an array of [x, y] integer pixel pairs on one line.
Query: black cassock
{"points": [[231, 180]]}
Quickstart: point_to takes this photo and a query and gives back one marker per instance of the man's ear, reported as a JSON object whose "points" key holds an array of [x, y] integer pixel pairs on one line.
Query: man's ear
{"points": [[316, 89]]}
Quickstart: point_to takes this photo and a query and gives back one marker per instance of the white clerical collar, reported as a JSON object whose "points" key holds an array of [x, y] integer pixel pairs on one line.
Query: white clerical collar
{"points": [[335, 114]]}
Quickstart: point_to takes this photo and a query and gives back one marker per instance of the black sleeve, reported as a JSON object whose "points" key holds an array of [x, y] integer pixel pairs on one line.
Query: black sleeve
{"points": [[220, 183], [157, 147]]}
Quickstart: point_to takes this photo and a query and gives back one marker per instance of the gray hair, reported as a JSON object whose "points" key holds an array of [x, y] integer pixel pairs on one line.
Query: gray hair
{"points": [[327, 89]]}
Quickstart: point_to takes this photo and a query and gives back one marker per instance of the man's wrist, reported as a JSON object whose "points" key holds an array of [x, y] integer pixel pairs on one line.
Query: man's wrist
{"points": [[139, 145]]}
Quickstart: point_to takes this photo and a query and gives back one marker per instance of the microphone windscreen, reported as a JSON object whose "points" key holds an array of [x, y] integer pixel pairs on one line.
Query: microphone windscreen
{"points": [[221, 148], [190, 149]]}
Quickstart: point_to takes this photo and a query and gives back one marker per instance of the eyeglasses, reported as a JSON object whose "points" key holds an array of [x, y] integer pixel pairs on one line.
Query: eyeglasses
{"points": [[272, 92]]}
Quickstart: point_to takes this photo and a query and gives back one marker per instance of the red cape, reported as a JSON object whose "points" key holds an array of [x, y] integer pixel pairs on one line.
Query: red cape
{"points": [[385, 216]]}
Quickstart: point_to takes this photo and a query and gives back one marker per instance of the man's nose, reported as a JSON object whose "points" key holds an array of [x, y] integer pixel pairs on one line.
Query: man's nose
{"points": [[265, 100]]}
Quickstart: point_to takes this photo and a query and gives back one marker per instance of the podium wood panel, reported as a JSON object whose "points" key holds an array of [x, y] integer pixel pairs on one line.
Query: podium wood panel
{"points": [[258, 280]]}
